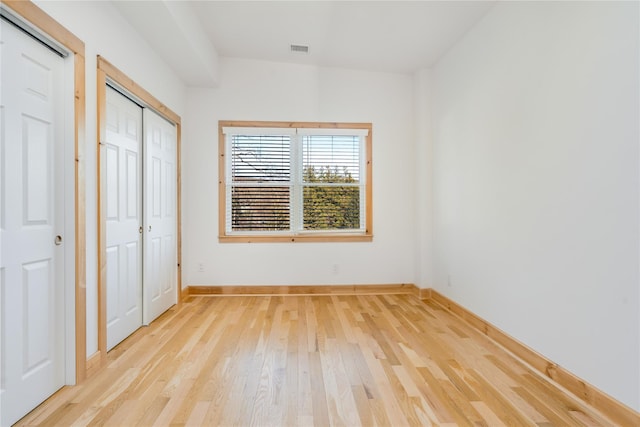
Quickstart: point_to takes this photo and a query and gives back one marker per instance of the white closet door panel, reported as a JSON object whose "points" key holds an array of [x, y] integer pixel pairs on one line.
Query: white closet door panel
{"points": [[160, 266], [123, 170], [154, 272], [112, 286], [131, 294], [37, 171], [31, 216], [133, 186]]}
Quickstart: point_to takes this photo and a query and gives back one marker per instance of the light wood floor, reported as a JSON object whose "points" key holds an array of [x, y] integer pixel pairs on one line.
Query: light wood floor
{"points": [[312, 360]]}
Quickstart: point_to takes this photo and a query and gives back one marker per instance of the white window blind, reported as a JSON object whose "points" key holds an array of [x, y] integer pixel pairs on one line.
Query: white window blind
{"points": [[331, 184], [259, 183]]}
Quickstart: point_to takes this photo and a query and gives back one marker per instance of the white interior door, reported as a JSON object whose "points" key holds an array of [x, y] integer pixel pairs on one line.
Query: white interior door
{"points": [[32, 276], [160, 214], [123, 206]]}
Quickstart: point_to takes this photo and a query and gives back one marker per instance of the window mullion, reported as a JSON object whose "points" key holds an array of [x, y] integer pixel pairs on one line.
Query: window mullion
{"points": [[363, 182], [296, 184], [228, 181]]}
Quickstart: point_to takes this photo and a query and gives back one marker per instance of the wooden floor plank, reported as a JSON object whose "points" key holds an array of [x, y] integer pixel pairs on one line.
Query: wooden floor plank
{"points": [[301, 360]]}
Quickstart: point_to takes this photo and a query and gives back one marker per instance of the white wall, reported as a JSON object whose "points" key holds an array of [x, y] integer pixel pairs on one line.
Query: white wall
{"points": [[536, 134], [106, 33], [255, 90], [423, 163]]}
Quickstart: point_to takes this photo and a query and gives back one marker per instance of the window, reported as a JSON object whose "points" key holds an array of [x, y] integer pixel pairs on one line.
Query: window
{"points": [[285, 181]]}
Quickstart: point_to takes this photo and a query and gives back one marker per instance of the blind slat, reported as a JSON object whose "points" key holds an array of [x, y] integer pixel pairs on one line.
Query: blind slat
{"points": [[331, 158], [260, 208], [264, 158]]}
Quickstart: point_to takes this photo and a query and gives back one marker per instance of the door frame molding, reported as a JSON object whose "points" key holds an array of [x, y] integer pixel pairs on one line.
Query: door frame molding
{"points": [[45, 24], [108, 73]]}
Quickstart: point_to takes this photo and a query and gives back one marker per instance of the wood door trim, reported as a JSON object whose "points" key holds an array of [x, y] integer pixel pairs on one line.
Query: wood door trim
{"points": [[128, 84], [108, 72], [49, 26]]}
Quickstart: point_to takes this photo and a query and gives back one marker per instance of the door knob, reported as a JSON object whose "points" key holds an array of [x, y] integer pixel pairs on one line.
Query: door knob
{"points": [[58, 240]]}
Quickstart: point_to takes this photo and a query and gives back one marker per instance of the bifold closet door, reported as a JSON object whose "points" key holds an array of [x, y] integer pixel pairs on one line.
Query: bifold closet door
{"points": [[160, 214], [123, 216], [32, 235], [141, 216]]}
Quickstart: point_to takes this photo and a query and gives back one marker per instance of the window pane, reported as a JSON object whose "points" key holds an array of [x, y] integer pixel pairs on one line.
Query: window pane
{"points": [[263, 158], [331, 207], [260, 208], [331, 158]]}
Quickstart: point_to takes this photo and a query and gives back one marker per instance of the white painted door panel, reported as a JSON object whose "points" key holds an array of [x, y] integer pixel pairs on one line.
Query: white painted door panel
{"points": [[160, 212], [123, 206], [31, 216]]}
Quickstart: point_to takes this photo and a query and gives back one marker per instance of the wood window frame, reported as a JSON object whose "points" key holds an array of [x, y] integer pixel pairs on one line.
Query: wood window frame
{"points": [[108, 72], [366, 236]]}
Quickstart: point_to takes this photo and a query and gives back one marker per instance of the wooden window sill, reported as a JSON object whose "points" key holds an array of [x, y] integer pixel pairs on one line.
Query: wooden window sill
{"points": [[297, 238]]}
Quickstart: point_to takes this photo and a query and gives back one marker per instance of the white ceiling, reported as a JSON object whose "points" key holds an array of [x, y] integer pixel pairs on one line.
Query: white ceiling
{"points": [[394, 36]]}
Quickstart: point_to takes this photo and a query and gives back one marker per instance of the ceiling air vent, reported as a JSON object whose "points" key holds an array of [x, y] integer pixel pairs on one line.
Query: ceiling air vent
{"points": [[298, 48]]}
